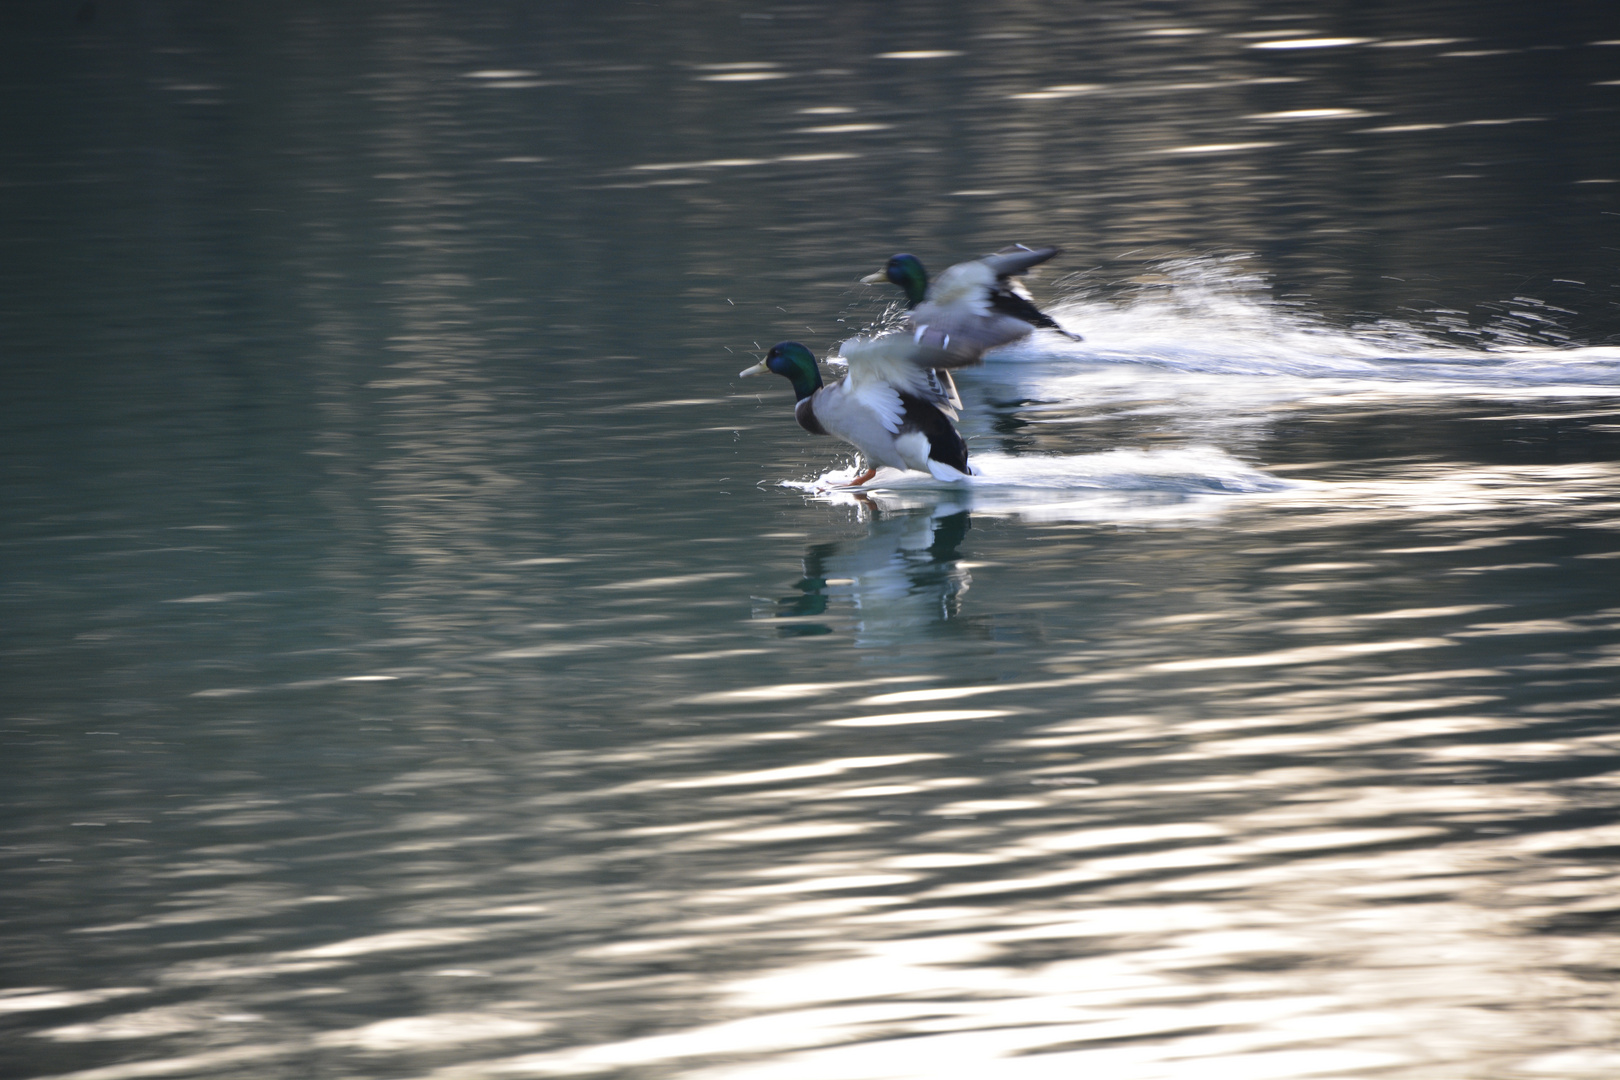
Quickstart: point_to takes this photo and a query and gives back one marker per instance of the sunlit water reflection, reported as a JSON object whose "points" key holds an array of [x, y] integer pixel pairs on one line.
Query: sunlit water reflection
{"points": [[424, 659]]}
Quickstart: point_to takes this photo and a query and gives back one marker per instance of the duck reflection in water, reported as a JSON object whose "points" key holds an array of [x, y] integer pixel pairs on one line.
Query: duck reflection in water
{"points": [[904, 573]]}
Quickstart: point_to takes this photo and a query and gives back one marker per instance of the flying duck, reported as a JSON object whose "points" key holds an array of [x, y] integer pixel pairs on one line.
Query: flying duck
{"points": [[973, 306]]}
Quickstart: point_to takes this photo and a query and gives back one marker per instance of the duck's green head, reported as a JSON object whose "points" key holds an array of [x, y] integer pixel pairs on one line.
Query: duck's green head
{"points": [[907, 272], [793, 362]]}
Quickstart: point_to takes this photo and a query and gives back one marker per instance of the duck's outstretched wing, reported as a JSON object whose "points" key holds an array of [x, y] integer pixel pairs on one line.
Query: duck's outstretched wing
{"points": [[1013, 261], [912, 363], [1009, 297]]}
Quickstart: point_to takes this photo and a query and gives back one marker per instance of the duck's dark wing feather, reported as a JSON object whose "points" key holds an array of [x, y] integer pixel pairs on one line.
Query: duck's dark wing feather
{"points": [[945, 443], [1005, 301], [1013, 261], [1007, 298]]}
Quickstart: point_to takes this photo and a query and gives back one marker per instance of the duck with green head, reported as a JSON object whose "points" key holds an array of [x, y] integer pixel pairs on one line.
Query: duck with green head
{"points": [[890, 406], [979, 305]]}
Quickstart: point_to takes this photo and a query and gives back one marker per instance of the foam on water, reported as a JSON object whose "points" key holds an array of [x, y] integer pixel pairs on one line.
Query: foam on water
{"points": [[1114, 484], [1193, 470]]}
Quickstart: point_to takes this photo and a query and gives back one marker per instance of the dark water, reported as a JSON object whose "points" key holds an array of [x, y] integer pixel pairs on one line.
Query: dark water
{"points": [[422, 657]]}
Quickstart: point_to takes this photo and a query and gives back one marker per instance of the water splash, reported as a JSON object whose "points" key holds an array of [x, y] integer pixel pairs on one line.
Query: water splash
{"points": [[1214, 316]]}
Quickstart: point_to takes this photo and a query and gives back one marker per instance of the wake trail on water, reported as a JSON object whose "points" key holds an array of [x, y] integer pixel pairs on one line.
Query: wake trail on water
{"points": [[1206, 316]]}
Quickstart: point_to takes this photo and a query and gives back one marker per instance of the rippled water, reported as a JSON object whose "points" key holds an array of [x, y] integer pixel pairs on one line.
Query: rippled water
{"points": [[423, 657]]}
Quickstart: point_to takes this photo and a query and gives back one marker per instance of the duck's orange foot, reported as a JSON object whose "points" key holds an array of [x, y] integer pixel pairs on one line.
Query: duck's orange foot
{"points": [[863, 478]]}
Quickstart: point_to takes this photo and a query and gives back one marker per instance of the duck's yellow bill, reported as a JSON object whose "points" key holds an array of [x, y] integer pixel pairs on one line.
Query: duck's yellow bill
{"points": [[874, 279], [757, 369]]}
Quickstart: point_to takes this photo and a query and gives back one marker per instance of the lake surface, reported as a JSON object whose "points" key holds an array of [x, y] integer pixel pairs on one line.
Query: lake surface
{"points": [[421, 656]]}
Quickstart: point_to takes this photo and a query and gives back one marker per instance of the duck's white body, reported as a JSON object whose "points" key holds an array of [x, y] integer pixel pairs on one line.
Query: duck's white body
{"points": [[901, 431], [891, 407]]}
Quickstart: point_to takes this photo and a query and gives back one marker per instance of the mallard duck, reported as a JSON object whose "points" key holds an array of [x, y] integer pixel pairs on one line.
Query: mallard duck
{"points": [[975, 305], [891, 406]]}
